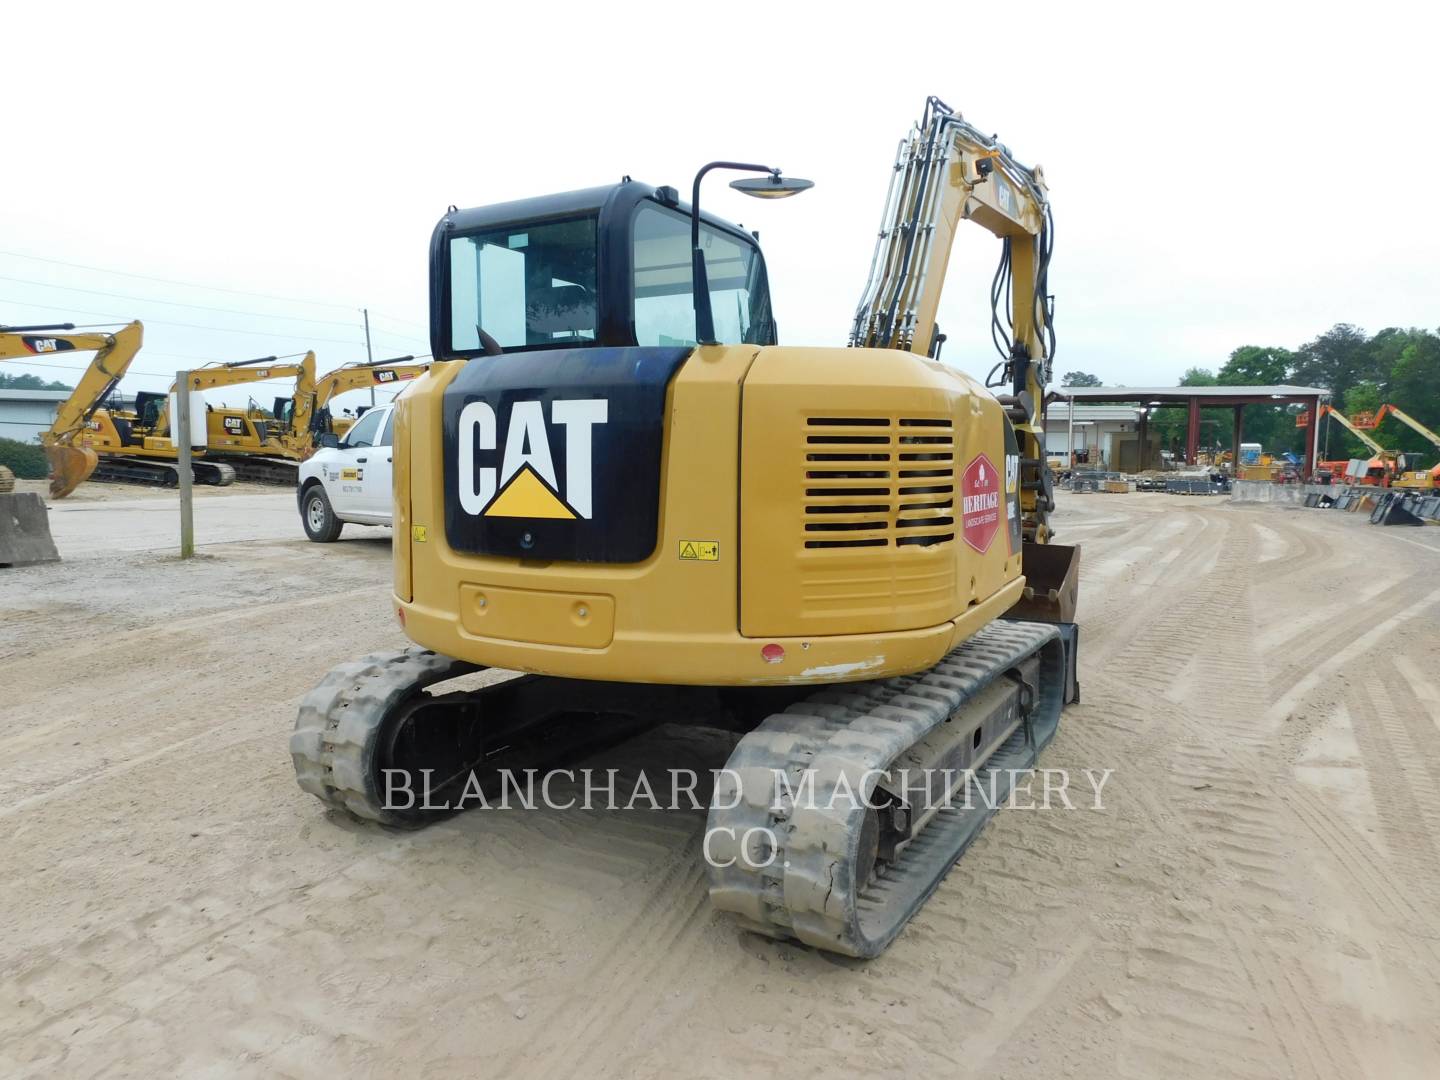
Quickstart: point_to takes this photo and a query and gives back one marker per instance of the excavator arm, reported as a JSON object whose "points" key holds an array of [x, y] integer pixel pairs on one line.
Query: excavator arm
{"points": [[250, 371], [947, 171], [358, 376], [71, 465], [398, 369], [241, 372]]}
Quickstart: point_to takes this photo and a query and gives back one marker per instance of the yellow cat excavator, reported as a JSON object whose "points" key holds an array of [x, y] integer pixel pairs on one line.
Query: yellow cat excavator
{"points": [[615, 480], [394, 372], [71, 461], [263, 450]]}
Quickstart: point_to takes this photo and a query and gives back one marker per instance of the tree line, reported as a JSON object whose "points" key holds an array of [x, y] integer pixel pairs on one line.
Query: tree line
{"points": [[1399, 366], [30, 382]]}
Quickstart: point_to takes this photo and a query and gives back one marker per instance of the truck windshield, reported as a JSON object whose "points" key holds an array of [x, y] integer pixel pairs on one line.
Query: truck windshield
{"points": [[527, 286]]}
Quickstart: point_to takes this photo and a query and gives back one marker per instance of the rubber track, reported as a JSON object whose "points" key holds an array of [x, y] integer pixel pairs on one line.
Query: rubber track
{"points": [[161, 473], [264, 470], [807, 890], [334, 741]]}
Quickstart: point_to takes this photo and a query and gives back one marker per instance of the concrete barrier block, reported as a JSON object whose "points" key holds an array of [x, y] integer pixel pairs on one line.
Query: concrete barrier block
{"points": [[25, 530]]}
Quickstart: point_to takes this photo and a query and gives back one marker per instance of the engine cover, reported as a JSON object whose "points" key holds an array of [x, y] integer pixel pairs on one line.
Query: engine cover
{"points": [[557, 455]]}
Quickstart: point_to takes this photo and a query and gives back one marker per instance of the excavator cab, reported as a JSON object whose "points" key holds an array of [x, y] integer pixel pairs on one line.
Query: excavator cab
{"points": [[607, 266], [150, 409]]}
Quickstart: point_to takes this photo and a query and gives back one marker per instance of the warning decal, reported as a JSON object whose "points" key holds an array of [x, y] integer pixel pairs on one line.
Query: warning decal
{"points": [[700, 550], [980, 505]]}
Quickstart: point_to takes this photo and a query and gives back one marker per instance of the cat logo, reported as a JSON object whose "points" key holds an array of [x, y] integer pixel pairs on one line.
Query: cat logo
{"points": [[234, 425], [45, 344], [525, 484]]}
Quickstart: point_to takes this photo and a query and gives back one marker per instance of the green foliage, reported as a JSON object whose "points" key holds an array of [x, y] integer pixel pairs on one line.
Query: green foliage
{"points": [[26, 460], [1080, 378], [1257, 365], [1397, 365], [1336, 360], [1364, 397], [29, 382]]}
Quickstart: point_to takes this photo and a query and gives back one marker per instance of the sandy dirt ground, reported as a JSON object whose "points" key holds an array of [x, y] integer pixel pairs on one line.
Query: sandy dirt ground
{"points": [[1259, 898]]}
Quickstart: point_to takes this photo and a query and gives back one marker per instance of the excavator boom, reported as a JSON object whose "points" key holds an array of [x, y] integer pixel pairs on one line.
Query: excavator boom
{"points": [[358, 376], [948, 171], [72, 465]]}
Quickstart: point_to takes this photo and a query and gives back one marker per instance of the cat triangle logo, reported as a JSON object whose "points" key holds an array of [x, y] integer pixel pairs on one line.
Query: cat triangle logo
{"points": [[528, 496]]}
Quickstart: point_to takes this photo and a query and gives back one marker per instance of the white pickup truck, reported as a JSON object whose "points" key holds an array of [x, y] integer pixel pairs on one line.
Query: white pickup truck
{"points": [[349, 482]]}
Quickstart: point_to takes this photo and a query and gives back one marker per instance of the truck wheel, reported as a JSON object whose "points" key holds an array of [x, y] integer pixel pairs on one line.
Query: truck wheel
{"points": [[318, 517]]}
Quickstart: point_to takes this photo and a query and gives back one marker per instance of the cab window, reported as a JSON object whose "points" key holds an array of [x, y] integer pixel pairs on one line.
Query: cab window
{"points": [[664, 308], [365, 431], [527, 286]]}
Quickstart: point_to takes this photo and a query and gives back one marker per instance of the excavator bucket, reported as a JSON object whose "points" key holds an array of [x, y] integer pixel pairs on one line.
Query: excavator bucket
{"points": [[70, 466], [1052, 583]]}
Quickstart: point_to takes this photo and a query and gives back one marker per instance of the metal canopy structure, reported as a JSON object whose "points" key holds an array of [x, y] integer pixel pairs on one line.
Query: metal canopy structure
{"points": [[1195, 398]]}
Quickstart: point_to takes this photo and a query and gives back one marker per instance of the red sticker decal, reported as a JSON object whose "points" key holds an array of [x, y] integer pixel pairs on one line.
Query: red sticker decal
{"points": [[980, 503]]}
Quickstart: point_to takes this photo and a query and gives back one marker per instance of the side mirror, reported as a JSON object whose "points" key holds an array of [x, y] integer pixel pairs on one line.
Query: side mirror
{"points": [[328, 440]]}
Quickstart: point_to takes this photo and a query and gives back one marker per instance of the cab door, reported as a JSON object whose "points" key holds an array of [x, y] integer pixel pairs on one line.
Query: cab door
{"points": [[348, 491], [377, 470]]}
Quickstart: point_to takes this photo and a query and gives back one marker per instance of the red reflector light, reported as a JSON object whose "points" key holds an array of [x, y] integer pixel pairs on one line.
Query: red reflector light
{"points": [[400, 614], [772, 653]]}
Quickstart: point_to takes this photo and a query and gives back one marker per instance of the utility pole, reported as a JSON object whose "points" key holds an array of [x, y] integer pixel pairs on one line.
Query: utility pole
{"points": [[369, 356], [182, 426]]}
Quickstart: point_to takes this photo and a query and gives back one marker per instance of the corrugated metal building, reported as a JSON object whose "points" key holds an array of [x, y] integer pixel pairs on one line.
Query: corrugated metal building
{"points": [[24, 414]]}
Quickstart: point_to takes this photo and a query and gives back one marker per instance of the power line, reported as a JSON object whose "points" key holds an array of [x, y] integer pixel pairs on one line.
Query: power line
{"points": [[131, 371], [396, 318], [182, 284], [188, 326], [176, 303]]}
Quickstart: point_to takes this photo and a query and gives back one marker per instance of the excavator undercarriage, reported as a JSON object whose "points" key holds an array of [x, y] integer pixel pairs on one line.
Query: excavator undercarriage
{"points": [[834, 818]]}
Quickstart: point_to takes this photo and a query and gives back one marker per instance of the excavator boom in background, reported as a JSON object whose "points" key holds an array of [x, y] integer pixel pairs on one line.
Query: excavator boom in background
{"points": [[614, 478], [394, 372], [259, 449], [236, 444], [71, 461]]}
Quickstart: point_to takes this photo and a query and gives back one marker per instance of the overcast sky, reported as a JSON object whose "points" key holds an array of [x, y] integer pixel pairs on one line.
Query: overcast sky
{"points": [[1241, 174]]}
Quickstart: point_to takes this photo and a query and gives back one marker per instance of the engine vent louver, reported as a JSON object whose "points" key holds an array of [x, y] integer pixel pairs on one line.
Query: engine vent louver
{"points": [[876, 482]]}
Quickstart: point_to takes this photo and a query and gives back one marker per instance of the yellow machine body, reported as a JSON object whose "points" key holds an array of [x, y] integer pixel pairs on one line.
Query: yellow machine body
{"points": [[103, 436], [765, 570]]}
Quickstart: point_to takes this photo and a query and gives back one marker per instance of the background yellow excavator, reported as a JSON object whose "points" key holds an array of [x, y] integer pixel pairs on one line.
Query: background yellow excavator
{"points": [[615, 479], [237, 444], [259, 449], [71, 461], [394, 372]]}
